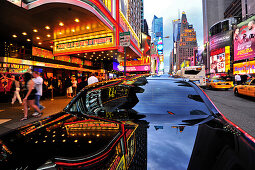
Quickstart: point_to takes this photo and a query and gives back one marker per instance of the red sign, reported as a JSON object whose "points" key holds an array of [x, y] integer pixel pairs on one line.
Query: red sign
{"points": [[121, 49]]}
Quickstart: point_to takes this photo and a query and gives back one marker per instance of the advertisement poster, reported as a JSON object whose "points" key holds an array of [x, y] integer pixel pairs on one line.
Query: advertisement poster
{"points": [[199, 57], [217, 63], [244, 40]]}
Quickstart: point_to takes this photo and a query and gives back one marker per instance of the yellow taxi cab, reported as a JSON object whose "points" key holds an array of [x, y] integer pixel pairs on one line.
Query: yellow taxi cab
{"points": [[218, 84], [247, 89]]}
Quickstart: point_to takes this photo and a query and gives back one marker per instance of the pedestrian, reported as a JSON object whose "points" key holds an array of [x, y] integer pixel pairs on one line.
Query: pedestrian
{"points": [[92, 79], [74, 85], [69, 89], [29, 99], [16, 88], [38, 85], [82, 84], [238, 79]]}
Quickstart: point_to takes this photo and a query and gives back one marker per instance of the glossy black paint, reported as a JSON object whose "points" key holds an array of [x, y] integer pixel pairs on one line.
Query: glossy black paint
{"points": [[166, 124]]}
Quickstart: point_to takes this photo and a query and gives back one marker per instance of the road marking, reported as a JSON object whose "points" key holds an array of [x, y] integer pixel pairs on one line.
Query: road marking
{"points": [[4, 121]]}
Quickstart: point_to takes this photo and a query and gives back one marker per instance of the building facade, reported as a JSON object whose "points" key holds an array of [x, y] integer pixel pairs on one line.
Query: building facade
{"points": [[135, 12], [187, 43], [234, 9], [248, 8], [85, 41]]}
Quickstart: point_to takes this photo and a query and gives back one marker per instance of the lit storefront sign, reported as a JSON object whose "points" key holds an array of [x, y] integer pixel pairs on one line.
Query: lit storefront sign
{"points": [[244, 40], [39, 64], [84, 43], [244, 68], [134, 68], [63, 58], [39, 52], [14, 68]]}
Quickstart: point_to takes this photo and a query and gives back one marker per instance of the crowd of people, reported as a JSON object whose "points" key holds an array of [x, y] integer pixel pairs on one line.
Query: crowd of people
{"points": [[29, 88]]}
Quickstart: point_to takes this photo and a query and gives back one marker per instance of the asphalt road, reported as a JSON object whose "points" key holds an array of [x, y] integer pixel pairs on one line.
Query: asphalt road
{"points": [[240, 110]]}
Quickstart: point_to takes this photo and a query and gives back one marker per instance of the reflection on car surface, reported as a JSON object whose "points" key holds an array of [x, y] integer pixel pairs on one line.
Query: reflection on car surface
{"points": [[117, 124]]}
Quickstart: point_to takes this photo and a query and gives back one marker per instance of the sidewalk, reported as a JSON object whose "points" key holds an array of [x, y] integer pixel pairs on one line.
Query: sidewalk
{"points": [[10, 115]]}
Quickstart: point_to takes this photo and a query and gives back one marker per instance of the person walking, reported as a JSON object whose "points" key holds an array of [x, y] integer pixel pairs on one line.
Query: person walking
{"points": [[74, 85], [238, 79], [29, 96], [69, 89], [38, 85], [16, 87], [92, 79], [82, 84]]}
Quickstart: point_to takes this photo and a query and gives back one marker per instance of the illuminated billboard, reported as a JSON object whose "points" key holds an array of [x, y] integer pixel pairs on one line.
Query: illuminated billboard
{"points": [[244, 40], [244, 68], [221, 40], [220, 60]]}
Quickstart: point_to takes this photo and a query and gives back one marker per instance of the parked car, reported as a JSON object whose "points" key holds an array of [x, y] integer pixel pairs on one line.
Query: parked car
{"points": [[117, 124]]}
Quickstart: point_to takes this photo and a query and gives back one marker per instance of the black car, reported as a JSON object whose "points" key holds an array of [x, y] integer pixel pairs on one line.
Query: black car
{"points": [[117, 124]]}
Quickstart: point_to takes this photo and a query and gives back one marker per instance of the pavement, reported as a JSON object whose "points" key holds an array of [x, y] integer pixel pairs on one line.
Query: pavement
{"points": [[10, 115], [239, 110]]}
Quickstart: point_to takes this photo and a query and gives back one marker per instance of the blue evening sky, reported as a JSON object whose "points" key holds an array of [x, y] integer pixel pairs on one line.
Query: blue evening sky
{"points": [[168, 9]]}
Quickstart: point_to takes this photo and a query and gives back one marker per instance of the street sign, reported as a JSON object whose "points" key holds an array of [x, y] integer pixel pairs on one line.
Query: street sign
{"points": [[125, 39]]}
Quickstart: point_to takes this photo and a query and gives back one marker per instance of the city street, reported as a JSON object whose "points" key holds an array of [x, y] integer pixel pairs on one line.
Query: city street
{"points": [[10, 115], [240, 110]]}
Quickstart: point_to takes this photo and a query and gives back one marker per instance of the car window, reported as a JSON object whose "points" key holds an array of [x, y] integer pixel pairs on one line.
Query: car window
{"points": [[253, 82], [217, 80], [248, 82]]}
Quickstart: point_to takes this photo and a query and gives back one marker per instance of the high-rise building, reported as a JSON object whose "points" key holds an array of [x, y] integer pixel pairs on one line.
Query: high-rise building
{"points": [[157, 39], [176, 38], [145, 28], [213, 11], [176, 30], [157, 29], [187, 42]]}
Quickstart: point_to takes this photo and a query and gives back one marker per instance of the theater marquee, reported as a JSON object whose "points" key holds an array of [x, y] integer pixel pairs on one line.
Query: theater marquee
{"points": [[84, 43]]}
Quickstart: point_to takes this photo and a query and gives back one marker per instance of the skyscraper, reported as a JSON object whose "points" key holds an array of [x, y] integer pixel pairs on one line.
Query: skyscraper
{"points": [[176, 38], [157, 39], [187, 42], [145, 28], [157, 29]]}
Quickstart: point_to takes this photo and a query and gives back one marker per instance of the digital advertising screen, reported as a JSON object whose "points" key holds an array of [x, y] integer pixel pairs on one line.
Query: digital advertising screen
{"points": [[217, 61], [244, 40]]}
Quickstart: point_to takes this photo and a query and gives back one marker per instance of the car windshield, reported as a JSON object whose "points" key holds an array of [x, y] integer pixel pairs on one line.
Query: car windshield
{"points": [[218, 80]]}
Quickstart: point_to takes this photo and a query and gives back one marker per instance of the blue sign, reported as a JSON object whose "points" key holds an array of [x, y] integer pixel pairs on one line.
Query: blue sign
{"points": [[160, 52], [160, 47]]}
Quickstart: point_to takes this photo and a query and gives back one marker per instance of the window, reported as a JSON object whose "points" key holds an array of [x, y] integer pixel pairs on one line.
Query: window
{"points": [[253, 82], [192, 72]]}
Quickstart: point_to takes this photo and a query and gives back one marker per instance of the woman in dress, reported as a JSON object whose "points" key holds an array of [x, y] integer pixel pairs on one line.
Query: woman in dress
{"points": [[16, 85], [29, 96]]}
